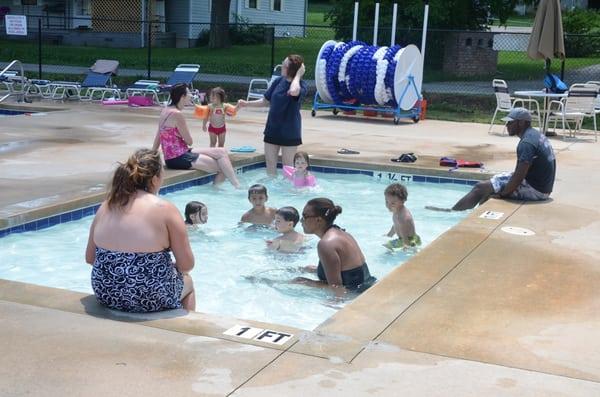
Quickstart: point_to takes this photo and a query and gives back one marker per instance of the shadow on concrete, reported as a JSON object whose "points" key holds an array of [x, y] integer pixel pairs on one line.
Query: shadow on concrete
{"points": [[366, 120], [94, 308]]}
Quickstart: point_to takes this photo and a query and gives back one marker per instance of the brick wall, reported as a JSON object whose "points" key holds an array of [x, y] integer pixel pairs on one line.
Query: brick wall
{"points": [[470, 54]]}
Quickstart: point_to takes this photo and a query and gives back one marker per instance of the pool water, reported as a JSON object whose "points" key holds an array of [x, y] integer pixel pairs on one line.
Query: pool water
{"points": [[10, 112], [235, 274]]}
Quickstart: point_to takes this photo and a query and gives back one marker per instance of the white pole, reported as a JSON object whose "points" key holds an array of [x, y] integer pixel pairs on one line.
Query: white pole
{"points": [[355, 26], [376, 23], [424, 36], [395, 13]]}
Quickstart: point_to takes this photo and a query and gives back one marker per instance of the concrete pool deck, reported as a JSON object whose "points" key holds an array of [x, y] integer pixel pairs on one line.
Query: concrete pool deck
{"points": [[478, 312]]}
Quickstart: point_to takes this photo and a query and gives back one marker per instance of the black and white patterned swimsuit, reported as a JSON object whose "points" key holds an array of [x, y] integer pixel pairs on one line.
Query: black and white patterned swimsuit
{"points": [[136, 282]]}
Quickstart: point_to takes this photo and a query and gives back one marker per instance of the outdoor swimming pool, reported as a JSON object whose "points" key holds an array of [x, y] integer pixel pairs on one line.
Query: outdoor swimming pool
{"points": [[235, 274]]}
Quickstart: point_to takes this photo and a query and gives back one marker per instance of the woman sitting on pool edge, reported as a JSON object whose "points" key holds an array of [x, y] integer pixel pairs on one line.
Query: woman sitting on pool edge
{"points": [[130, 241], [174, 137], [341, 262]]}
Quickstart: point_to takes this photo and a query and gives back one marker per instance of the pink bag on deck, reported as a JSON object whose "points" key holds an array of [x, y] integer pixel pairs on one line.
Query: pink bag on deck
{"points": [[140, 100]]}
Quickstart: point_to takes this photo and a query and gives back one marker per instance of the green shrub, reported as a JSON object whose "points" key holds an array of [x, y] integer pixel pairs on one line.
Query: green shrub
{"points": [[582, 33]]}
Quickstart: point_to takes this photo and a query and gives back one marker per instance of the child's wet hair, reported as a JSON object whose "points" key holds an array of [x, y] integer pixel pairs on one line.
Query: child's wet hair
{"points": [[193, 207], [257, 189], [218, 91], [397, 190], [304, 155], [289, 214]]}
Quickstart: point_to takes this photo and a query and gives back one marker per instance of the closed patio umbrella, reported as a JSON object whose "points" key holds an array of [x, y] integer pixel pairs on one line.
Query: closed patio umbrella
{"points": [[547, 40]]}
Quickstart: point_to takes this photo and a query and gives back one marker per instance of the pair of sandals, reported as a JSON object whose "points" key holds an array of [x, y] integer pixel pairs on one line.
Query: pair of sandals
{"points": [[405, 158]]}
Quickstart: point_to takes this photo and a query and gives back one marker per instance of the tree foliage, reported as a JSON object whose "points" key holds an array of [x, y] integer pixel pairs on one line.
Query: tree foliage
{"points": [[443, 14]]}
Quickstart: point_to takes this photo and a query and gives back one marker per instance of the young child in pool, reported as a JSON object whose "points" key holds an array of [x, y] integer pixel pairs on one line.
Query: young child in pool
{"points": [[259, 214], [196, 213], [403, 223], [290, 240], [299, 174], [217, 108]]}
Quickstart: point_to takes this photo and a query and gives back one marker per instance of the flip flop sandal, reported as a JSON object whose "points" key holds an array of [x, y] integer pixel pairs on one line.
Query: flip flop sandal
{"points": [[347, 151], [405, 158]]}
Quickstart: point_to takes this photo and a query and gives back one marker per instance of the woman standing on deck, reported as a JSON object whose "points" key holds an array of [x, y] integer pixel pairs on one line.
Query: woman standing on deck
{"points": [[283, 130], [130, 242], [341, 261], [175, 139]]}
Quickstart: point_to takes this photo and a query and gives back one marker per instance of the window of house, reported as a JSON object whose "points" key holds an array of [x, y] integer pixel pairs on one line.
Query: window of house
{"points": [[83, 7], [276, 5], [252, 3]]}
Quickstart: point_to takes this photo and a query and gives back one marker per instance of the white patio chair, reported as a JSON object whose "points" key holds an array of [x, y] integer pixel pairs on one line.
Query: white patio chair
{"points": [[506, 103], [578, 105], [258, 87], [597, 103]]}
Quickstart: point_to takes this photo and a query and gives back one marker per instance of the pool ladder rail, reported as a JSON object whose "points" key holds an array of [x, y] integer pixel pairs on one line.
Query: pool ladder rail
{"points": [[13, 81]]}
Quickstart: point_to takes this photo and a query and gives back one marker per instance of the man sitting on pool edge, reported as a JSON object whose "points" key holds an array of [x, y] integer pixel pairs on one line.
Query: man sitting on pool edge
{"points": [[533, 177]]}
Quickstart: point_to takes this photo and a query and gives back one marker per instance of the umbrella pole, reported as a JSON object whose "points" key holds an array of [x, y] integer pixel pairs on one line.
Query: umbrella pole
{"points": [[562, 70], [548, 65]]}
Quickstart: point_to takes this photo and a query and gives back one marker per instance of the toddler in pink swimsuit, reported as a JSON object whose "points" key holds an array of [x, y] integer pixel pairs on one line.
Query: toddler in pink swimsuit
{"points": [[299, 174]]}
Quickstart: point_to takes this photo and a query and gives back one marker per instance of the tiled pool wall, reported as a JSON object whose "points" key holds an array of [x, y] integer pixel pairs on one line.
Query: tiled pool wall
{"points": [[73, 215]]}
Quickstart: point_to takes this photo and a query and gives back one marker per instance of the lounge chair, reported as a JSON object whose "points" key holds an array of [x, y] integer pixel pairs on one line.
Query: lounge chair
{"points": [[148, 88], [97, 84], [183, 73], [258, 87]]}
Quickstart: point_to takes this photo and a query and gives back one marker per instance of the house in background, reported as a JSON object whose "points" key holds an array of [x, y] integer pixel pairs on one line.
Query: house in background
{"points": [[196, 15], [116, 23], [522, 8]]}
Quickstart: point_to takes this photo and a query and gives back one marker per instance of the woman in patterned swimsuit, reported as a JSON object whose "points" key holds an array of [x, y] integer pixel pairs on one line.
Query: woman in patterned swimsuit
{"points": [[131, 239]]}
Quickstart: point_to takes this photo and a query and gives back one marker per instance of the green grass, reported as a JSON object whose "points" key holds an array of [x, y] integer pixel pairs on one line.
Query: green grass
{"points": [[249, 60], [520, 20], [255, 60], [317, 11]]}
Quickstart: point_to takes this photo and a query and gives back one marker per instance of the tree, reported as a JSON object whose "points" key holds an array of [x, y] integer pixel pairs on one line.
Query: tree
{"points": [[443, 14], [219, 24]]}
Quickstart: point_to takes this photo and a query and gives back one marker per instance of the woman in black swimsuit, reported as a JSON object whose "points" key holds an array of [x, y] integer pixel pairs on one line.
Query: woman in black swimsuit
{"points": [[341, 262]]}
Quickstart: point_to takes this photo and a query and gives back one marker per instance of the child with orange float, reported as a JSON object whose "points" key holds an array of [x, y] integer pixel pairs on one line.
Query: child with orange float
{"points": [[213, 114]]}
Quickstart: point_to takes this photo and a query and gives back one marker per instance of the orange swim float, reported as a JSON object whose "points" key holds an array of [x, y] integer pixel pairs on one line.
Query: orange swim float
{"points": [[230, 110], [201, 111]]}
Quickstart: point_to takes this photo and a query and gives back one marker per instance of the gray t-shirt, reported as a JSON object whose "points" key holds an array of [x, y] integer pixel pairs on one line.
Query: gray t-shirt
{"points": [[535, 149], [284, 124]]}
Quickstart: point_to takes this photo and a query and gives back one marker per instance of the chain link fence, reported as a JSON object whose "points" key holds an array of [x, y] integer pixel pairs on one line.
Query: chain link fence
{"points": [[456, 62]]}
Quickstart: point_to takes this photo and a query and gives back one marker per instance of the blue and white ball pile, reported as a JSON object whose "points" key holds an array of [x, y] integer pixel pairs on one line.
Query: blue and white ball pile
{"points": [[357, 73]]}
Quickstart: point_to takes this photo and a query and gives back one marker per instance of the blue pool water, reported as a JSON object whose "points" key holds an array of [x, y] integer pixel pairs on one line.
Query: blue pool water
{"points": [[235, 274], [10, 112]]}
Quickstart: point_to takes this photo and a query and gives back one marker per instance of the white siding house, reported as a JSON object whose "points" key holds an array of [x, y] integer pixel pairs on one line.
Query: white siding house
{"points": [[197, 12]]}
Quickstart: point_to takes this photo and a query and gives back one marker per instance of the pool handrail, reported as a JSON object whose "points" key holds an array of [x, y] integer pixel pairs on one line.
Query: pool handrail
{"points": [[13, 78]]}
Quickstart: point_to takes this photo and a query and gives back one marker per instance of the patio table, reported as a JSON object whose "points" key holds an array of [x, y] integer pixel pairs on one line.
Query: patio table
{"points": [[547, 97]]}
